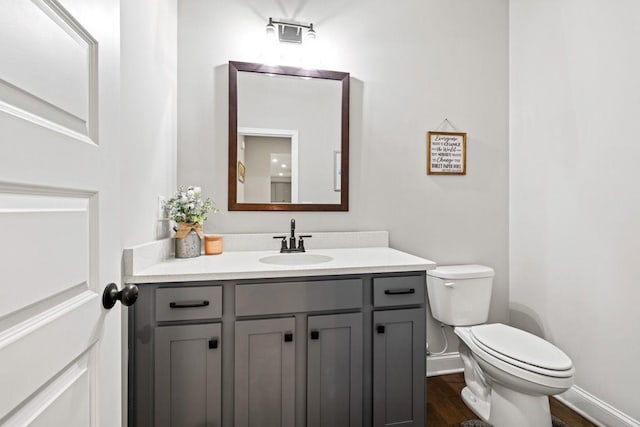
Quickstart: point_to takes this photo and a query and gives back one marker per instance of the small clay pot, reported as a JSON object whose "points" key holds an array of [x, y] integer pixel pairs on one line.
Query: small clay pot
{"points": [[213, 244]]}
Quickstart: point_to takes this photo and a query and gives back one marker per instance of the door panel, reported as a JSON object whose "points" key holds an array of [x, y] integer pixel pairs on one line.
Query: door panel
{"points": [[56, 80], [399, 368], [36, 224], [264, 373], [188, 373], [74, 396], [59, 209], [334, 371], [66, 398], [36, 357]]}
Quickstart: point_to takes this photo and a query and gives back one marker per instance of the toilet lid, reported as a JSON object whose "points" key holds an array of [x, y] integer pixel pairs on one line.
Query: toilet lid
{"points": [[521, 346], [457, 272]]}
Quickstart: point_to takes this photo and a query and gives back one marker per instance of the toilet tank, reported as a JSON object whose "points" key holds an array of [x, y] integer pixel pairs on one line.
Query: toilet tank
{"points": [[460, 295]]}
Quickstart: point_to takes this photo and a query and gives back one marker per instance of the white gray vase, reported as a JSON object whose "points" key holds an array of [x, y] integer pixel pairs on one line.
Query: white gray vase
{"points": [[189, 246]]}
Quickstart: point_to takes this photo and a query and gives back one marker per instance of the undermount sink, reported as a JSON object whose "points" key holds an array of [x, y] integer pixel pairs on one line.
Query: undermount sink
{"points": [[295, 259]]}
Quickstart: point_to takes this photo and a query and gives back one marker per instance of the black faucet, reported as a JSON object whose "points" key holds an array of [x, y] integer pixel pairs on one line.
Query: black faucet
{"points": [[292, 238], [292, 247]]}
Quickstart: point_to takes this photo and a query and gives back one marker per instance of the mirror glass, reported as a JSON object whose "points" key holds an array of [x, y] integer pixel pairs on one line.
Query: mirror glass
{"points": [[288, 132]]}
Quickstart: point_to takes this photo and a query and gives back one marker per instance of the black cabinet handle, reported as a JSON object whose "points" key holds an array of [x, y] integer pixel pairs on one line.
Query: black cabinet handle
{"points": [[380, 329], [213, 343], [288, 337], [315, 335], [188, 304], [399, 291]]}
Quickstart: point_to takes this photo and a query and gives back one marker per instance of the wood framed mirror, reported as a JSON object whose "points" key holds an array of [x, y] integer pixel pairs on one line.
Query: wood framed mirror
{"points": [[288, 138]]}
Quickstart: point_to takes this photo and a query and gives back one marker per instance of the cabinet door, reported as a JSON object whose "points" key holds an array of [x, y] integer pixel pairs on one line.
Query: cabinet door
{"points": [[265, 373], [187, 376], [399, 368], [334, 371]]}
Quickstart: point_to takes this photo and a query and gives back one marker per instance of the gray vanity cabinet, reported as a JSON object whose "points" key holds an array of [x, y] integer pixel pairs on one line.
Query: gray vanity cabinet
{"points": [[188, 376], [265, 373], [334, 370], [399, 368], [322, 351]]}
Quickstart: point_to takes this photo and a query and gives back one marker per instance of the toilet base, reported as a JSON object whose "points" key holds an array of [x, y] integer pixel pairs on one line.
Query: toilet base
{"points": [[509, 408], [512, 408], [478, 406]]}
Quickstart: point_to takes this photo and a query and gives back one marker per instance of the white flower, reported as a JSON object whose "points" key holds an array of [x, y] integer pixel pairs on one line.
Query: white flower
{"points": [[187, 206]]}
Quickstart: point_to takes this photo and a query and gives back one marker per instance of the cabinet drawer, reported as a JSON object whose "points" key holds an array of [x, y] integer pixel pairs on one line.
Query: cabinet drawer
{"points": [[296, 297], [189, 303], [404, 290]]}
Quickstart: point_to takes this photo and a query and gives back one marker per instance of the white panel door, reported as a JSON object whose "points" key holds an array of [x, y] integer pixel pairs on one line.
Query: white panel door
{"points": [[60, 351]]}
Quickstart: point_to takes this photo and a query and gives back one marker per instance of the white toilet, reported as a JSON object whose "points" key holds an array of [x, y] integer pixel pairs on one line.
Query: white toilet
{"points": [[509, 373]]}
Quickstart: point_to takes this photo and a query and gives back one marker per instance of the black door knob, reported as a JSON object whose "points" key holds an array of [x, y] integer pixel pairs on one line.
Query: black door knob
{"points": [[127, 295]]}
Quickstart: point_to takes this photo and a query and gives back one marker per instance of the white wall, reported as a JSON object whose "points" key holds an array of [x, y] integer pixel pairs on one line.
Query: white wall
{"points": [[575, 203], [148, 115], [413, 64], [148, 76]]}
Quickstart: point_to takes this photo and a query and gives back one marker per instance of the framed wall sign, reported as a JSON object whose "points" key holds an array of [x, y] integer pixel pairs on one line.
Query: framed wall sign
{"points": [[446, 153]]}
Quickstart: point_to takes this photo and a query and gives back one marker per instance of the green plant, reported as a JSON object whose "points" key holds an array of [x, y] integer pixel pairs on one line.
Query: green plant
{"points": [[187, 206]]}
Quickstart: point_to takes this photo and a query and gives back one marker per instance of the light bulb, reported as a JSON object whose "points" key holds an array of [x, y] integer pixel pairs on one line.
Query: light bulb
{"points": [[311, 34], [309, 54], [271, 51], [270, 30]]}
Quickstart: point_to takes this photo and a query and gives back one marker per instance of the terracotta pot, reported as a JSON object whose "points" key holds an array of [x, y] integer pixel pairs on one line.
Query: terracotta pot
{"points": [[213, 244]]}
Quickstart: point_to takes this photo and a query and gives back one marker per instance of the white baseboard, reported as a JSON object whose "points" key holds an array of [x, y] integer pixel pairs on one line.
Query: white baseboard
{"points": [[443, 364], [594, 409]]}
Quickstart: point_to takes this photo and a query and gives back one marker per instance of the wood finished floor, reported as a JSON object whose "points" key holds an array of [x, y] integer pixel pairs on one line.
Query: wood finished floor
{"points": [[445, 407]]}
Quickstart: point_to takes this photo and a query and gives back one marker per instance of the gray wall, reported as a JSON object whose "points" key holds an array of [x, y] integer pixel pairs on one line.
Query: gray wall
{"points": [[575, 204], [413, 64]]}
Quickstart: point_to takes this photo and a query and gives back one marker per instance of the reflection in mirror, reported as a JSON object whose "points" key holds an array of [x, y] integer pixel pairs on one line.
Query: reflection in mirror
{"points": [[288, 132], [266, 156]]}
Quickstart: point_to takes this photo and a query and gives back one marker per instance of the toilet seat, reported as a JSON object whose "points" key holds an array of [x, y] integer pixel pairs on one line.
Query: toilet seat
{"points": [[522, 349], [553, 379]]}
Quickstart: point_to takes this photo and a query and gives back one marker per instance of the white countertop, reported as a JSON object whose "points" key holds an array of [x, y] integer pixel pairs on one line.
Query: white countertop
{"points": [[246, 265]]}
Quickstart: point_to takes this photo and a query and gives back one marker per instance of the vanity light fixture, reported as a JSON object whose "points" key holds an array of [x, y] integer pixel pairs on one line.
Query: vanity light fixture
{"points": [[290, 43], [271, 30], [290, 32]]}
